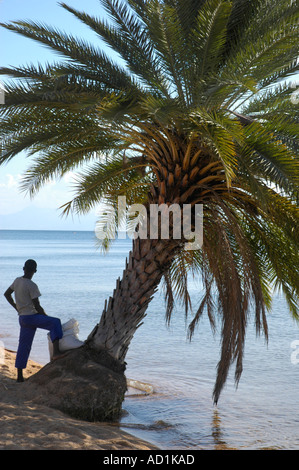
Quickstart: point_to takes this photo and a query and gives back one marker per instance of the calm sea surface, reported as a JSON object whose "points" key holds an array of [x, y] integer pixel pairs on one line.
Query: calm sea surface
{"points": [[75, 278]]}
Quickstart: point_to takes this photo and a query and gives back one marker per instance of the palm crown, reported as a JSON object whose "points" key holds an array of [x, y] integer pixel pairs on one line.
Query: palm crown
{"points": [[196, 110]]}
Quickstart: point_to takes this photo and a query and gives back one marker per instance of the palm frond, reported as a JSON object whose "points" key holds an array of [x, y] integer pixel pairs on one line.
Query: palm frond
{"points": [[197, 108], [108, 179], [131, 43], [75, 50]]}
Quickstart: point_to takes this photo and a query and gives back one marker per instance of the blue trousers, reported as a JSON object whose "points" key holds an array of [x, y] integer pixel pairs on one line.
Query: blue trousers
{"points": [[29, 324]]}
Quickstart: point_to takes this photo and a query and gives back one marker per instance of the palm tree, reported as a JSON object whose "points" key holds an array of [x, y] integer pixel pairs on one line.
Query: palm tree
{"points": [[196, 109]]}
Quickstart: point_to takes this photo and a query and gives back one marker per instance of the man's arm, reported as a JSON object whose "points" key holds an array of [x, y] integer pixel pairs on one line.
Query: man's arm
{"points": [[38, 307], [7, 295]]}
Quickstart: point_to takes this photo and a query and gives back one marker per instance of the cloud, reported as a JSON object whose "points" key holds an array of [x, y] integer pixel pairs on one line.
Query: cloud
{"points": [[11, 181], [12, 199], [18, 210]]}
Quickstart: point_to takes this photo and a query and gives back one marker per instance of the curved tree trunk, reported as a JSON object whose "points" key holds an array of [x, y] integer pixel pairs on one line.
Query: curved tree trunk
{"points": [[124, 311], [149, 259], [89, 382]]}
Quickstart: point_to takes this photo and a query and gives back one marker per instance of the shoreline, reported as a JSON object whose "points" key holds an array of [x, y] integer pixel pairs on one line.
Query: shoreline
{"points": [[25, 425]]}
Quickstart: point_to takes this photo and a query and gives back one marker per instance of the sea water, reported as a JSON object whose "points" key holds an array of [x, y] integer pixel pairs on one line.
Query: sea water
{"points": [[75, 278]]}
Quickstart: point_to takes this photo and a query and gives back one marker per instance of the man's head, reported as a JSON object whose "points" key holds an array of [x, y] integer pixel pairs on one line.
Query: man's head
{"points": [[30, 267]]}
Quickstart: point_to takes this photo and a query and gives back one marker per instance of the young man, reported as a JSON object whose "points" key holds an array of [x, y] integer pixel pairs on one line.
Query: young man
{"points": [[31, 316]]}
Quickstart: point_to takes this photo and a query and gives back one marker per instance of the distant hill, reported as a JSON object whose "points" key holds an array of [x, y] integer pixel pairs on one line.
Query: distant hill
{"points": [[35, 218]]}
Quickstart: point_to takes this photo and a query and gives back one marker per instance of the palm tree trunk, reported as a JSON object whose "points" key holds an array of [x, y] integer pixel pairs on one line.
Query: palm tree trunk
{"points": [[125, 310], [89, 382], [91, 379]]}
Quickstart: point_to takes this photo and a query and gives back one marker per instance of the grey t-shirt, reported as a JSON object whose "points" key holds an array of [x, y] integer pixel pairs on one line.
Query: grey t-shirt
{"points": [[25, 290]]}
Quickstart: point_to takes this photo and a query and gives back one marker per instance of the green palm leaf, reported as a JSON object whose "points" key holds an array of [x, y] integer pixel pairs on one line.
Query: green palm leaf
{"points": [[194, 108]]}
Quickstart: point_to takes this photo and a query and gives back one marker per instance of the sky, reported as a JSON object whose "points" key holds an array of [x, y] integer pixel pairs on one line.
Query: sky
{"points": [[17, 210]]}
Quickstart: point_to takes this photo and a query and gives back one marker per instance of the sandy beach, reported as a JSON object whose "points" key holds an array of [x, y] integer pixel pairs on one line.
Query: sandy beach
{"points": [[28, 426]]}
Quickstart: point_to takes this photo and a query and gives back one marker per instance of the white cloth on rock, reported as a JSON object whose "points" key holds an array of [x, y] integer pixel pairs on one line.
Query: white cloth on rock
{"points": [[70, 339]]}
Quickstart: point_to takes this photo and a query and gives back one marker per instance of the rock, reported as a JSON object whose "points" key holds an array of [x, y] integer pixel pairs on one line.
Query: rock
{"points": [[85, 384]]}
